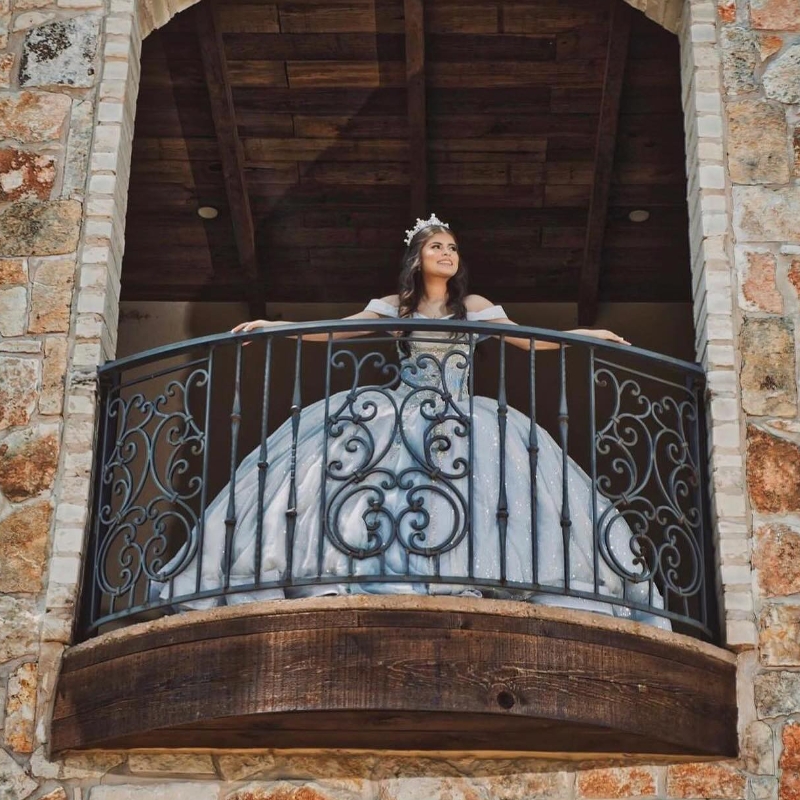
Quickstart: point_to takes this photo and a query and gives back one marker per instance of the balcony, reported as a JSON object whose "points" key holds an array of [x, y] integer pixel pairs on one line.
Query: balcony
{"points": [[449, 539]]}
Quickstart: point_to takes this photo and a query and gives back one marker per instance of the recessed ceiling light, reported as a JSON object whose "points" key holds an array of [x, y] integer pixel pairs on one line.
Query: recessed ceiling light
{"points": [[207, 212], [639, 215]]}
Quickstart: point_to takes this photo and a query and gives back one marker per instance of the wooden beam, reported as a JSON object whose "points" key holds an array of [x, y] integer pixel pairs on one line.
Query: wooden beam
{"points": [[230, 147], [454, 675], [616, 57], [415, 83]]}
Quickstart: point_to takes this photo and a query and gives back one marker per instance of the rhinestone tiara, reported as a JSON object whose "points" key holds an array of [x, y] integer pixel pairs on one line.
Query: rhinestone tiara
{"points": [[421, 224]]}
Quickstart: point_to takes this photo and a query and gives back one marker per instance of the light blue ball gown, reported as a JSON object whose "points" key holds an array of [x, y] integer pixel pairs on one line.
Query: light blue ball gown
{"points": [[390, 499]]}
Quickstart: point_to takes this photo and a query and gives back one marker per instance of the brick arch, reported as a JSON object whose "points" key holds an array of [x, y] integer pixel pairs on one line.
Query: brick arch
{"points": [[157, 13]]}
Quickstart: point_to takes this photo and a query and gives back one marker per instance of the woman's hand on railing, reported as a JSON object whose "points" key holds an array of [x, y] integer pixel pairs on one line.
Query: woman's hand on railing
{"points": [[254, 325], [607, 336]]}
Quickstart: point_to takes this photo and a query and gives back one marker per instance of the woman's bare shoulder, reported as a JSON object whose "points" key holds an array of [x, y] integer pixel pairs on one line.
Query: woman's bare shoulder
{"points": [[477, 302]]}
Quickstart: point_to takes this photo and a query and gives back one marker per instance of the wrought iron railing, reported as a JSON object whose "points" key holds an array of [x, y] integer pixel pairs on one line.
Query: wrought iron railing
{"points": [[424, 465]]}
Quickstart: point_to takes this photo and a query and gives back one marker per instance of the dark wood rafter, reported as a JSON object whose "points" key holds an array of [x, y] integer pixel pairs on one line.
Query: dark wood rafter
{"points": [[616, 58], [417, 122], [215, 70]]}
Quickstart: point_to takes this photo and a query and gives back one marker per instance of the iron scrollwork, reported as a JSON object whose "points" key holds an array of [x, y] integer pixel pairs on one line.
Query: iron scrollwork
{"points": [[651, 483], [149, 481], [401, 473]]}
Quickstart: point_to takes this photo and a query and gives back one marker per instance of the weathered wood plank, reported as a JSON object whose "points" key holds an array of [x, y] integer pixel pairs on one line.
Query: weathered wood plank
{"points": [[257, 73], [253, 17], [357, 173], [336, 102], [513, 73], [315, 46], [616, 58], [365, 127], [324, 149], [521, 684], [462, 18], [345, 74]]}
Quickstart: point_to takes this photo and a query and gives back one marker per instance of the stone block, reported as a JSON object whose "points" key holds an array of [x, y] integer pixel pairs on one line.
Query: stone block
{"points": [[32, 117], [30, 228], [56, 794], [740, 56], [28, 464], [455, 789], [25, 175], [789, 788], [53, 283], [61, 53], [17, 390], [757, 142], [23, 545], [78, 143], [757, 749], [726, 11], [13, 272], [18, 728], [239, 766], [171, 763], [14, 781], [779, 636], [768, 45], [13, 311], [773, 472], [762, 214], [157, 791], [777, 694], [776, 557], [20, 628], [616, 782], [54, 370], [775, 15], [710, 781], [6, 67], [759, 291], [767, 378], [764, 788], [782, 77]]}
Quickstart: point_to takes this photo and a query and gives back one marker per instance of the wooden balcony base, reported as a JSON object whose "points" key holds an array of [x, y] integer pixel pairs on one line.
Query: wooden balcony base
{"points": [[398, 673]]}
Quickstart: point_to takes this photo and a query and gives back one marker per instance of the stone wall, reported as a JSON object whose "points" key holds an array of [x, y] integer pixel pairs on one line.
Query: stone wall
{"points": [[68, 82]]}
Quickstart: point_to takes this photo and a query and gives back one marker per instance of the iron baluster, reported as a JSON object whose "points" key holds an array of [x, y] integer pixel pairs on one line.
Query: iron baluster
{"points": [[291, 506], [236, 421], [263, 462], [323, 500], [563, 429], [593, 470], [470, 482], [201, 520], [533, 461], [502, 498]]}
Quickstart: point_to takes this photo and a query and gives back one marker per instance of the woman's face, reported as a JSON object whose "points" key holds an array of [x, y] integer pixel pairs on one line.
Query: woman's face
{"points": [[439, 256]]}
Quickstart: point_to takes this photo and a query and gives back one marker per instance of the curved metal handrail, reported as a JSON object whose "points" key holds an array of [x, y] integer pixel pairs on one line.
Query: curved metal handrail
{"points": [[400, 494]]}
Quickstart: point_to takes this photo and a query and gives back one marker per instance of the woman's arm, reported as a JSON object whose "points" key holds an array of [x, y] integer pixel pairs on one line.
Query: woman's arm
{"points": [[254, 325], [475, 302]]}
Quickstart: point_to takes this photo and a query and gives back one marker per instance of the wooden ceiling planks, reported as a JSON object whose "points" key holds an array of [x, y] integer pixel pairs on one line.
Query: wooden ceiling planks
{"points": [[512, 102]]}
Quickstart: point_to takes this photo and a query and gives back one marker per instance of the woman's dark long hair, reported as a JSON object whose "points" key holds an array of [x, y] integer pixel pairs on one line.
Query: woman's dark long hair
{"points": [[410, 283]]}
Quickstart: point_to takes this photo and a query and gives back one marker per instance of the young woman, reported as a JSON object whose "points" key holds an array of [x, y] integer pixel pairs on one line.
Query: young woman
{"points": [[399, 485]]}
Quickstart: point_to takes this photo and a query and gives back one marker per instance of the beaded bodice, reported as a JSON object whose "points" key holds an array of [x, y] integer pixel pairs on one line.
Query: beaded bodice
{"points": [[436, 360]]}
